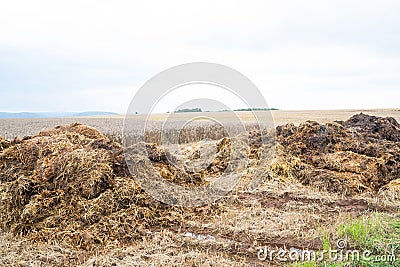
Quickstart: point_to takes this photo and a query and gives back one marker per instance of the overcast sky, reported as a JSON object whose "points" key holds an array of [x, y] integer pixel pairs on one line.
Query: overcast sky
{"points": [[94, 55]]}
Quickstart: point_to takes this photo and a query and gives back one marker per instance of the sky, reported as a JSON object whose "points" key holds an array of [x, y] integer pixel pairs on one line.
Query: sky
{"points": [[94, 55]]}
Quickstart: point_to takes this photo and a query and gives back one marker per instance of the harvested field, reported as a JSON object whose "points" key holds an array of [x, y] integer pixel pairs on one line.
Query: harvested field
{"points": [[111, 126], [68, 198]]}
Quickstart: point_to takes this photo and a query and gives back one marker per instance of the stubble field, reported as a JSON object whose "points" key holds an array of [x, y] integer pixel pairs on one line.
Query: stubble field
{"points": [[112, 125]]}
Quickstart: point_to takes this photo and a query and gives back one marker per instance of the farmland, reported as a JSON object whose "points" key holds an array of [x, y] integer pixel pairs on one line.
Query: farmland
{"points": [[69, 199], [112, 125]]}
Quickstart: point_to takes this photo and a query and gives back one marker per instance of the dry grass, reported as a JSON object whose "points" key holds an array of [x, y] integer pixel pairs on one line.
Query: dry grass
{"points": [[229, 238]]}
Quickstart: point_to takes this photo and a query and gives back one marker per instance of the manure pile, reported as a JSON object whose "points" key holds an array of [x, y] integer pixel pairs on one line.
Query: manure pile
{"points": [[353, 156], [71, 184]]}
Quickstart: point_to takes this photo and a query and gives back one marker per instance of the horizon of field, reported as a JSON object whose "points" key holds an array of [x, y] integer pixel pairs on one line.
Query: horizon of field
{"points": [[113, 124]]}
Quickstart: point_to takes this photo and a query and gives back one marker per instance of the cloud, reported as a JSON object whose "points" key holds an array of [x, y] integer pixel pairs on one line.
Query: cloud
{"points": [[298, 53]]}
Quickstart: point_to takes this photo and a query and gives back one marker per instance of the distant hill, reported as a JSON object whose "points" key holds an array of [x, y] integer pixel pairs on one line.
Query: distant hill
{"points": [[94, 113], [31, 115], [255, 109]]}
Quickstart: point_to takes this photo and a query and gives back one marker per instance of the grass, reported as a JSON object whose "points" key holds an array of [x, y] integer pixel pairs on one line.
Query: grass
{"points": [[374, 232], [378, 233], [326, 245]]}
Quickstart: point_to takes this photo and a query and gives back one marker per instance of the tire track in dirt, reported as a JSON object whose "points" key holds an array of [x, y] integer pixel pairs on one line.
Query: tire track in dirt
{"points": [[348, 204], [244, 245]]}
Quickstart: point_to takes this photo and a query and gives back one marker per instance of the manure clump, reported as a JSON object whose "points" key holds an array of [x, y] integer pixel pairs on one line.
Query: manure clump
{"points": [[353, 156], [71, 184]]}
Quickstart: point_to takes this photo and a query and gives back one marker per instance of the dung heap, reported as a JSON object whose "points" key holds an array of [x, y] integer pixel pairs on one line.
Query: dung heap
{"points": [[71, 184], [353, 156]]}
